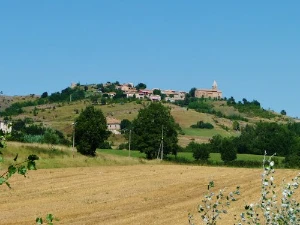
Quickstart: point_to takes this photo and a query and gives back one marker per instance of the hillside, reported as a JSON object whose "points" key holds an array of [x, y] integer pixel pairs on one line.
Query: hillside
{"points": [[61, 115]]}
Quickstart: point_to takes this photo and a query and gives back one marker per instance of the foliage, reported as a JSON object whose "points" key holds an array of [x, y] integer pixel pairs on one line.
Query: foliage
{"points": [[105, 145], [252, 108], [157, 92], [269, 210], [216, 143], [44, 95], [17, 108], [90, 131], [228, 150], [19, 168], [200, 151], [213, 205], [147, 130], [202, 125], [236, 125], [283, 112], [201, 105], [125, 124], [24, 131], [49, 220], [192, 92], [141, 86], [67, 94]]}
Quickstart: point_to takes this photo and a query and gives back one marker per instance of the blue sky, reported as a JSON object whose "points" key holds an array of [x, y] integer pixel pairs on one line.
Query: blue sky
{"points": [[251, 48]]}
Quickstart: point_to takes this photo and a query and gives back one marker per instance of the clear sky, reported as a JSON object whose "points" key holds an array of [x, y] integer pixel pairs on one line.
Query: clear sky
{"points": [[251, 48]]}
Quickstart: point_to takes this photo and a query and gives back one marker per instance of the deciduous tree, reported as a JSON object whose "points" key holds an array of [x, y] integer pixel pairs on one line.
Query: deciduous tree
{"points": [[147, 131], [90, 131]]}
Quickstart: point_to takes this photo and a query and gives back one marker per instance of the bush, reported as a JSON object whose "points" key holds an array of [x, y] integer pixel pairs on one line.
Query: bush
{"points": [[105, 145], [123, 146], [228, 150], [202, 125], [200, 151]]}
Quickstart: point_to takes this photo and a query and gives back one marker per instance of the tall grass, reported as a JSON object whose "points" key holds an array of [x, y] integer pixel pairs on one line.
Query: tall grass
{"points": [[63, 157]]}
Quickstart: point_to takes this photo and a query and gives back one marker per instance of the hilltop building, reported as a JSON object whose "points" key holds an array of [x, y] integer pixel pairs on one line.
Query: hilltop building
{"points": [[209, 93]]}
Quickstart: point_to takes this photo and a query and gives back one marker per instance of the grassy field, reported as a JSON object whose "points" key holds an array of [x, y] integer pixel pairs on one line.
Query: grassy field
{"points": [[205, 132], [64, 157], [188, 156]]}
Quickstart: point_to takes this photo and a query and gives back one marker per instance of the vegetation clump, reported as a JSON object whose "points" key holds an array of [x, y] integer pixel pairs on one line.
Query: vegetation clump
{"points": [[271, 208], [90, 131], [153, 124], [202, 125]]}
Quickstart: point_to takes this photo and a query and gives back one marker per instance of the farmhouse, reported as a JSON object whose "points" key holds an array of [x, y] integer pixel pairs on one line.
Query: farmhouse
{"points": [[155, 98], [113, 125], [5, 127], [209, 93]]}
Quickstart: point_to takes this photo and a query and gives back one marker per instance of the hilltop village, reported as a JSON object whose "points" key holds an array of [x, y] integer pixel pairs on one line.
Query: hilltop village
{"points": [[141, 92]]}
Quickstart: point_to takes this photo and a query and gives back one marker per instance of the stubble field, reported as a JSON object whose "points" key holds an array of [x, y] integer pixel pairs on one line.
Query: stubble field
{"points": [[138, 194]]}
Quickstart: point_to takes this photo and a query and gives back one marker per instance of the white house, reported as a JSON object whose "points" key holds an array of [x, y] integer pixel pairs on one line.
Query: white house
{"points": [[5, 126], [113, 125]]}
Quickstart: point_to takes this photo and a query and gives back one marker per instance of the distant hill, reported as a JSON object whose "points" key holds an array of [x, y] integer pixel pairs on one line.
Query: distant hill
{"points": [[60, 115]]}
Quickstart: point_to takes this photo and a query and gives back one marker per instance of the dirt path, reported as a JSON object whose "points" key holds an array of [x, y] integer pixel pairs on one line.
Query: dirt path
{"points": [[142, 194]]}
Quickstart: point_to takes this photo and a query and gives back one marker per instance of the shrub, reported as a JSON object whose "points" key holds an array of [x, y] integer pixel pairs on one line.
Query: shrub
{"points": [[202, 125], [200, 151]]}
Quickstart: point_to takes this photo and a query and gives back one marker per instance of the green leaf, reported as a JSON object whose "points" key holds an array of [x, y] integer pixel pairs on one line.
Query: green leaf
{"points": [[22, 170], [33, 157], [39, 221], [50, 218], [2, 180], [31, 165], [12, 169]]}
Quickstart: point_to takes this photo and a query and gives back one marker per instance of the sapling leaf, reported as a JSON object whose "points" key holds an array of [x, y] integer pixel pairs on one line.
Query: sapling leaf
{"points": [[12, 169], [2, 180], [22, 170], [39, 221], [50, 218], [31, 165], [33, 157]]}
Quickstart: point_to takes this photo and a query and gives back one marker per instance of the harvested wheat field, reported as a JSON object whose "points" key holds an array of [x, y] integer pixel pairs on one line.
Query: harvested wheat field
{"points": [[139, 194]]}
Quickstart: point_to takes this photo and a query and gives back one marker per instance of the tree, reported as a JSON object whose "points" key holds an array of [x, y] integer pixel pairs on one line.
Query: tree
{"points": [[157, 92], [44, 95], [192, 92], [228, 150], [147, 131], [200, 151], [50, 137], [283, 112], [141, 86], [216, 143], [125, 124], [90, 131], [236, 125]]}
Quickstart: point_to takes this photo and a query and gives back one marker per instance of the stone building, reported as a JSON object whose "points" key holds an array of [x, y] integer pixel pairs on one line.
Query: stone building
{"points": [[209, 93]]}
